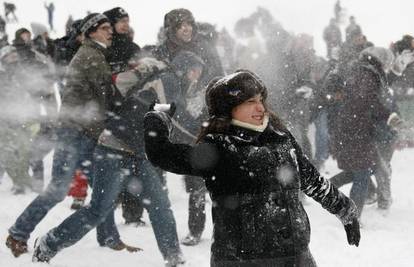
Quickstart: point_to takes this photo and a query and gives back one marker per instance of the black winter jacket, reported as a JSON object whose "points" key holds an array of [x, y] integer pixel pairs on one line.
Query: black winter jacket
{"points": [[120, 52], [254, 180], [199, 46], [65, 49]]}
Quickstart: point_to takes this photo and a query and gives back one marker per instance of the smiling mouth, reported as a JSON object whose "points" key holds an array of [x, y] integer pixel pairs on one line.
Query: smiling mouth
{"points": [[258, 117]]}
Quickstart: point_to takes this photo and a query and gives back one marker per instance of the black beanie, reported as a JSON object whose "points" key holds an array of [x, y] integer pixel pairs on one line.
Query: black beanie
{"points": [[91, 23], [115, 14], [224, 94]]}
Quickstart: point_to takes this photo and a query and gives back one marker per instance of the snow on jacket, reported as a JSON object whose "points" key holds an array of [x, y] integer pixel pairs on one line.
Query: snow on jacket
{"points": [[254, 180], [365, 107], [120, 52]]}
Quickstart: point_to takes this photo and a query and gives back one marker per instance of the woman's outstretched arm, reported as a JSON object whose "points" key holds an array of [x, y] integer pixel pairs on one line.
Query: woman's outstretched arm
{"points": [[197, 160]]}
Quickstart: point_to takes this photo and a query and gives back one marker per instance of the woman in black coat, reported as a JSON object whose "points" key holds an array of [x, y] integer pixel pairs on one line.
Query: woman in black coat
{"points": [[254, 171]]}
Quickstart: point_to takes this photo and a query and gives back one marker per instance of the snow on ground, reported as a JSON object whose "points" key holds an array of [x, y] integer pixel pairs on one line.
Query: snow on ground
{"points": [[387, 240]]}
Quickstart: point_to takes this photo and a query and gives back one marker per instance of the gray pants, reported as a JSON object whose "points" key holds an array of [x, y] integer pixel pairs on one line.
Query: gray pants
{"points": [[15, 154]]}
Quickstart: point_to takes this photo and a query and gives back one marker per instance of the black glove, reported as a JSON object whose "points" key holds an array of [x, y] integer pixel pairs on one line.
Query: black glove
{"points": [[348, 215], [157, 123], [352, 232]]}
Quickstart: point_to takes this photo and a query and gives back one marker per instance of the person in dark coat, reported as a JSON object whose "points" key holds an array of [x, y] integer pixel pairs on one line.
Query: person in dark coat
{"points": [[254, 171], [350, 49], [351, 28], [181, 33], [363, 115], [67, 46], [298, 89], [122, 50], [50, 10], [332, 37], [2, 25], [10, 8]]}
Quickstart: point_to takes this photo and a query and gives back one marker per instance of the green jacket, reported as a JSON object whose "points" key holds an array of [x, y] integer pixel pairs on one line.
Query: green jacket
{"points": [[89, 92]]}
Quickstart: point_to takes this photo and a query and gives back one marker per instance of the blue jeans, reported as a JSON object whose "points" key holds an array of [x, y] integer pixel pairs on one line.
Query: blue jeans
{"points": [[359, 189], [73, 150], [112, 171]]}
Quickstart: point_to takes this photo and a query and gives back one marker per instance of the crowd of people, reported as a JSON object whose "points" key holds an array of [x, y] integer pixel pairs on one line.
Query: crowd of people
{"points": [[86, 96]]}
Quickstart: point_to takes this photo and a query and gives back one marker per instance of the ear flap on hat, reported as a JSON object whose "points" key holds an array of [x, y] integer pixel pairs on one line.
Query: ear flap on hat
{"points": [[211, 84]]}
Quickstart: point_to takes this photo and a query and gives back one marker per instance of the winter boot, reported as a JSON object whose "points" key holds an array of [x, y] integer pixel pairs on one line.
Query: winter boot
{"points": [[191, 240], [17, 247], [174, 260], [121, 246], [38, 256], [41, 252], [136, 222]]}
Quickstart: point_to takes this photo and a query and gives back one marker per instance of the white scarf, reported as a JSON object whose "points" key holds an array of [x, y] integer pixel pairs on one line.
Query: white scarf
{"points": [[257, 128]]}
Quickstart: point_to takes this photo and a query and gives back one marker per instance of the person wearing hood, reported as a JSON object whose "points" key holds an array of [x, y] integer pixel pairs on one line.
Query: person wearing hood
{"points": [[254, 171], [122, 48], [367, 118], [181, 33], [23, 44]]}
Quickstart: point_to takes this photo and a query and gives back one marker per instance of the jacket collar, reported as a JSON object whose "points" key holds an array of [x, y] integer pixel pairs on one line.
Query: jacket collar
{"points": [[95, 45]]}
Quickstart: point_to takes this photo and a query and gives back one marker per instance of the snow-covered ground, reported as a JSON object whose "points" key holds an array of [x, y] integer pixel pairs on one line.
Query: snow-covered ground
{"points": [[387, 240]]}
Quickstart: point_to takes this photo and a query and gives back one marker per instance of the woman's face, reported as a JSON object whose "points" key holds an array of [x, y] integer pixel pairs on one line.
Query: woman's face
{"points": [[250, 111]]}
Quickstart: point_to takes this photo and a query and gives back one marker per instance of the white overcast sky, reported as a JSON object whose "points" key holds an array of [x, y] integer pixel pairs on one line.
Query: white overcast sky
{"points": [[382, 21]]}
